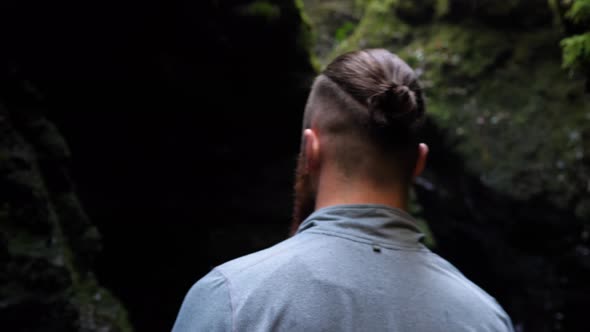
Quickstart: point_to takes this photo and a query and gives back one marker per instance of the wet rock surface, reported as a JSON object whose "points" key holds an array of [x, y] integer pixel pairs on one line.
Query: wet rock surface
{"points": [[183, 122], [47, 243]]}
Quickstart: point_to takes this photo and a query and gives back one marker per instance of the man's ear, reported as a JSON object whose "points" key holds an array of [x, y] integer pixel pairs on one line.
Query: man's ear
{"points": [[312, 150], [421, 161]]}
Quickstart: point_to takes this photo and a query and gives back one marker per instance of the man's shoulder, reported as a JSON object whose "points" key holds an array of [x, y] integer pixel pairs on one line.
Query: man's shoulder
{"points": [[278, 256], [471, 294], [329, 275]]}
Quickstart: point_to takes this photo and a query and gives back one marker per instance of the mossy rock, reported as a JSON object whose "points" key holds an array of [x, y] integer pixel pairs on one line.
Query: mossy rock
{"points": [[518, 118], [500, 14], [333, 21], [47, 243], [419, 11]]}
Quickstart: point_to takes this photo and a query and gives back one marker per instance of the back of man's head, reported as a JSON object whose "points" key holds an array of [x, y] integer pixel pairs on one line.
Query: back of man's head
{"points": [[371, 106], [360, 134]]}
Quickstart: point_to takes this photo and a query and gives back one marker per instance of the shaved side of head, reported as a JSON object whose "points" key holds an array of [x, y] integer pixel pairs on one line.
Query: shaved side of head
{"points": [[343, 125], [346, 130]]}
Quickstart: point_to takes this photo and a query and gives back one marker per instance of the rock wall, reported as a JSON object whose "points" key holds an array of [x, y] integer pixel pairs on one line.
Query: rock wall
{"points": [[183, 119], [47, 242], [507, 191]]}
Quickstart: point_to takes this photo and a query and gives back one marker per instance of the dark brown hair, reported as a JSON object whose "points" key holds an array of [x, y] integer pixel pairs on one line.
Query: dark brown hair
{"points": [[369, 99], [387, 87]]}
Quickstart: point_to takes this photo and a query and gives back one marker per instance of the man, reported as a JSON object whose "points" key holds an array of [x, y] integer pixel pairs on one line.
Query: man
{"points": [[356, 261]]}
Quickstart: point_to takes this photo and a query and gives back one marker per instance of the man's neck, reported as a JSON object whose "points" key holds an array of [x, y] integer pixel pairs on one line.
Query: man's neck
{"points": [[333, 192]]}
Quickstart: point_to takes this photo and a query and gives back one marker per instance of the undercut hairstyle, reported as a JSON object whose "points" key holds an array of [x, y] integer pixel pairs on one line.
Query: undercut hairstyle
{"points": [[371, 106]]}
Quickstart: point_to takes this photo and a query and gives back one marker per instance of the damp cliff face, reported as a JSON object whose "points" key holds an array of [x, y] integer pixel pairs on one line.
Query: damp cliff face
{"points": [[183, 121], [47, 243], [507, 191]]}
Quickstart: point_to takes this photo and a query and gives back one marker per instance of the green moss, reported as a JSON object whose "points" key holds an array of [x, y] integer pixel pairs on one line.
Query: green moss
{"points": [[415, 209], [377, 25], [451, 56], [40, 262], [344, 31], [429, 239], [332, 21], [262, 8], [99, 310], [442, 8], [307, 36], [480, 88], [517, 118], [579, 12]]}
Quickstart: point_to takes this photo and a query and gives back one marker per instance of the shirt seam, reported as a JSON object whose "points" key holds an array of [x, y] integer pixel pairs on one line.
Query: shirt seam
{"points": [[231, 302], [366, 240]]}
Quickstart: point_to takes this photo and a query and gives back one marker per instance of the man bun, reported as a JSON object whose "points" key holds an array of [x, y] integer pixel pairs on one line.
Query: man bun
{"points": [[394, 105], [386, 86]]}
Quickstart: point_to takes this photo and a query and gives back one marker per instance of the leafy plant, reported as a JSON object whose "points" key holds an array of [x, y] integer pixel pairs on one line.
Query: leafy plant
{"points": [[576, 51], [579, 12], [576, 48]]}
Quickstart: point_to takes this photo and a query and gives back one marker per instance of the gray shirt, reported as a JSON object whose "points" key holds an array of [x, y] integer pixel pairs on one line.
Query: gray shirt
{"points": [[348, 268]]}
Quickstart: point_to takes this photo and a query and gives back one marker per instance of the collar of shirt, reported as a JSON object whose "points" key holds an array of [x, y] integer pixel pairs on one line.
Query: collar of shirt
{"points": [[370, 223]]}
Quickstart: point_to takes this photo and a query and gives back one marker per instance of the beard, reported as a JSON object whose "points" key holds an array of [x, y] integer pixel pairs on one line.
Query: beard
{"points": [[305, 195]]}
